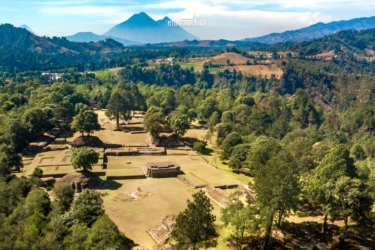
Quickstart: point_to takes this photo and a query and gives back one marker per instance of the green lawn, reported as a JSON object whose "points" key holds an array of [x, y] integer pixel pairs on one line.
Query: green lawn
{"points": [[189, 65]]}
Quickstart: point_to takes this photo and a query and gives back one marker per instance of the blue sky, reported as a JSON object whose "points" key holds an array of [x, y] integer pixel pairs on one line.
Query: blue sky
{"points": [[227, 19]]}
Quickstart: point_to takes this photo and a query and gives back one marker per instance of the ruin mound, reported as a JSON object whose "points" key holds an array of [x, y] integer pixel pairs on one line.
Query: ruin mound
{"points": [[88, 141], [82, 180]]}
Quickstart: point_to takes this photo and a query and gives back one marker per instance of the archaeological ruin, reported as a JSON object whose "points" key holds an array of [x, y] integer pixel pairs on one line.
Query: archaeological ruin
{"points": [[161, 169]]}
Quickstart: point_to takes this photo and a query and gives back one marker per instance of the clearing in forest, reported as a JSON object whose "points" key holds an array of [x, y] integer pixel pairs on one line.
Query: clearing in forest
{"points": [[232, 57], [264, 70]]}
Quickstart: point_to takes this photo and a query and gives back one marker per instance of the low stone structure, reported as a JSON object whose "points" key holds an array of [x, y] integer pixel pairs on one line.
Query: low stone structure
{"points": [[244, 171], [162, 233], [161, 169]]}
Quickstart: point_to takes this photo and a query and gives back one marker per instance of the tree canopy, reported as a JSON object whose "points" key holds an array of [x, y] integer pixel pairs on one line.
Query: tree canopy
{"points": [[84, 158]]}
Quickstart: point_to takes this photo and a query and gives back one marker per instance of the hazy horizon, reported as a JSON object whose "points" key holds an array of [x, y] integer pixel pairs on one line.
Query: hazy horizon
{"points": [[235, 19]]}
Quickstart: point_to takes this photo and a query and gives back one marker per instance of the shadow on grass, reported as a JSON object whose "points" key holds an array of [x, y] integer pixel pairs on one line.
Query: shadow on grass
{"points": [[113, 185], [58, 142], [207, 151], [129, 243], [198, 127], [68, 134], [360, 235], [190, 140], [132, 129]]}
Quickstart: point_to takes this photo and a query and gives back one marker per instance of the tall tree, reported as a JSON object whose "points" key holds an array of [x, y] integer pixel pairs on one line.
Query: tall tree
{"points": [[212, 121], [230, 141], [86, 121], [118, 105], [179, 123], [241, 217], [276, 185], [10, 158], [334, 165], [352, 197], [153, 120], [37, 121], [239, 156], [16, 134], [84, 158], [207, 108], [195, 225], [63, 116]]}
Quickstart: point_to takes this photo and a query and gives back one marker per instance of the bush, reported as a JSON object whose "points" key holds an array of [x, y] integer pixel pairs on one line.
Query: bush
{"points": [[199, 146], [37, 173]]}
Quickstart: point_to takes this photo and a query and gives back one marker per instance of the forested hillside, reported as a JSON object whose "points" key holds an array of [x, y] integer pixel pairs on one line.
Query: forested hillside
{"points": [[20, 50], [349, 41]]}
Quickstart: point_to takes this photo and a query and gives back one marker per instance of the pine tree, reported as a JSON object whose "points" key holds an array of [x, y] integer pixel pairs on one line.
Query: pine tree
{"points": [[195, 225]]}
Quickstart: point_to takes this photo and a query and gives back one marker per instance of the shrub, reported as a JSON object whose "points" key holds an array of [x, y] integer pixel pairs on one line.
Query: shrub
{"points": [[199, 146]]}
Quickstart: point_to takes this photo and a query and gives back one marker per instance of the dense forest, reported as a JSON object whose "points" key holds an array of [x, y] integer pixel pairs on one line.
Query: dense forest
{"points": [[306, 136]]}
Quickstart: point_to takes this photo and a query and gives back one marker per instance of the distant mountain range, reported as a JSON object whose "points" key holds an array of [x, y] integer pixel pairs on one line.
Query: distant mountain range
{"points": [[142, 28], [139, 29], [315, 31], [87, 37]]}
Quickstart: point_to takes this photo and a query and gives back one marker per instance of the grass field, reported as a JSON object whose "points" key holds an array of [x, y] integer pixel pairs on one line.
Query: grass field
{"points": [[115, 70], [232, 57], [167, 196], [198, 166], [189, 65], [115, 162], [240, 65], [198, 66], [323, 55], [121, 138], [256, 70], [124, 172], [177, 152]]}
